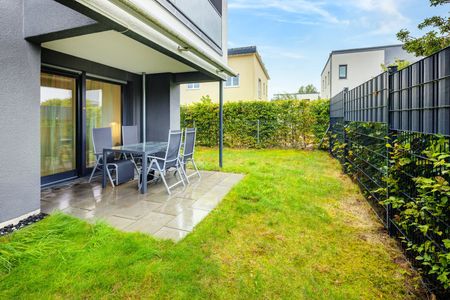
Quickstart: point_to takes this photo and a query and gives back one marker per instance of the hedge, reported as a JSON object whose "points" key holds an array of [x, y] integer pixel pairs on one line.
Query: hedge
{"points": [[259, 124]]}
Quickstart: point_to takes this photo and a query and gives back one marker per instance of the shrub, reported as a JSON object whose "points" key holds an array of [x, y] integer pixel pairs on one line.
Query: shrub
{"points": [[259, 124]]}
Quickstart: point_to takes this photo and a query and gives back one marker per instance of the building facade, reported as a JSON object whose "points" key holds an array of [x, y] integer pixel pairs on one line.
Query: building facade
{"points": [[349, 68], [69, 66], [251, 82]]}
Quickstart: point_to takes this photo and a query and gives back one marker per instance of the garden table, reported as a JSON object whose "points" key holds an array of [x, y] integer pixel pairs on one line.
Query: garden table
{"points": [[143, 149]]}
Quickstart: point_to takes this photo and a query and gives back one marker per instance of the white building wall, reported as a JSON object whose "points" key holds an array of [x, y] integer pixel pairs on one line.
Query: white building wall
{"points": [[325, 81], [361, 66]]}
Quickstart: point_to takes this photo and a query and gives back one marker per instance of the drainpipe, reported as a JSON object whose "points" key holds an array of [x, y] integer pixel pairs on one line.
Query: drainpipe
{"points": [[221, 123], [144, 110]]}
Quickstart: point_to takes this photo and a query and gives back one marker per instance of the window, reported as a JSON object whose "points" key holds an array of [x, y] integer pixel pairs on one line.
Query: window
{"points": [[342, 71], [264, 89], [259, 88], [232, 81], [193, 86], [103, 109], [58, 120]]}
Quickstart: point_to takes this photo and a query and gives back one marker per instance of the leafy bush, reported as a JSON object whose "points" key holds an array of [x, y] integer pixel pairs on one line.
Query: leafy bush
{"points": [[425, 217], [259, 124]]}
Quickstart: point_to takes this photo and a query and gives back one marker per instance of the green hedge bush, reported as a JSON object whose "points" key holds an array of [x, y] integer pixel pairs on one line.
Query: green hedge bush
{"points": [[259, 124]]}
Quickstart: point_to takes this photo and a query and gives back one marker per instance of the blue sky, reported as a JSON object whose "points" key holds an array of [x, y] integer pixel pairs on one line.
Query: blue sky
{"points": [[295, 37]]}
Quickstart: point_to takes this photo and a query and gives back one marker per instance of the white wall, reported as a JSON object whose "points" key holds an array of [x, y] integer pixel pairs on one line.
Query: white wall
{"points": [[361, 66], [325, 81]]}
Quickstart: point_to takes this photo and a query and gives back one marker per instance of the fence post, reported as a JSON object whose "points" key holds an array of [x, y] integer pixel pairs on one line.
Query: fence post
{"points": [[257, 132], [389, 88], [344, 133]]}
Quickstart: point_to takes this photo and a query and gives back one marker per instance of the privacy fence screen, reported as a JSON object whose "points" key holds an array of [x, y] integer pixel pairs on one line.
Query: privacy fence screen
{"points": [[392, 135]]}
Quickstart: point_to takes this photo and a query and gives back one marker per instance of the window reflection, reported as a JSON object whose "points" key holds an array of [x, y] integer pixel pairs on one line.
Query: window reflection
{"points": [[57, 124], [103, 109]]}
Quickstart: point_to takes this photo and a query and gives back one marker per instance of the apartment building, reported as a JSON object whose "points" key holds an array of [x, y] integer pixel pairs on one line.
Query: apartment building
{"points": [[68, 66], [251, 82], [349, 68]]}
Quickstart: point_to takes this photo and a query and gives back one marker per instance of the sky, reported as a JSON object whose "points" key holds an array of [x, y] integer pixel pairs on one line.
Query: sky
{"points": [[295, 37]]}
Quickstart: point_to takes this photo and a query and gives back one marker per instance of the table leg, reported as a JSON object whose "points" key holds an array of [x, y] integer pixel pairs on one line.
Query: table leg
{"points": [[104, 161], [144, 174]]}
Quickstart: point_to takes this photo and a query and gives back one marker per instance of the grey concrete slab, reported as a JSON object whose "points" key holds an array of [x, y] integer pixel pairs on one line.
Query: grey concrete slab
{"points": [[157, 213]]}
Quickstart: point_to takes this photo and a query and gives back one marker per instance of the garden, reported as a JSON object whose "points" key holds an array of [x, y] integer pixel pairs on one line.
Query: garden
{"points": [[294, 227]]}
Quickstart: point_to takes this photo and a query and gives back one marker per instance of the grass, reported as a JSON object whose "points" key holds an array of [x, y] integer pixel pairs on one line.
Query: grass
{"points": [[295, 227]]}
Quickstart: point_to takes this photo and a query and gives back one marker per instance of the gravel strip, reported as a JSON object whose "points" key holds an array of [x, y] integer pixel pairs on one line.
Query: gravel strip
{"points": [[25, 222]]}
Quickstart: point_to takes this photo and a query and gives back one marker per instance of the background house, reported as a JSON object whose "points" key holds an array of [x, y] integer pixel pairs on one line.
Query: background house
{"points": [[349, 68], [69, 66], [251, 83]]}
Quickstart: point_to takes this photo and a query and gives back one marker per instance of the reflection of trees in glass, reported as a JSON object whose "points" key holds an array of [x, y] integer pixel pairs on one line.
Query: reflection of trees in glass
{"points": [[57, 136], [93, 120]]}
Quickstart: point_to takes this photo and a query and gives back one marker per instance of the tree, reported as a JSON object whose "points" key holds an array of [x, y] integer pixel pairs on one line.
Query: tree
{"points": [[399, 63], [433, 41], [308, 89]]}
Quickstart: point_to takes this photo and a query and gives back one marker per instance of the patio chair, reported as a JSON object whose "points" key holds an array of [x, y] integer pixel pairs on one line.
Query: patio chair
{"points": [[169, 160], [188, 151], [130, 137], [102, 138]]}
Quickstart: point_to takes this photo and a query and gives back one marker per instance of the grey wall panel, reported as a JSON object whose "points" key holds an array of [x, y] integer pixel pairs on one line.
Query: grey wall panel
{"points": [[163, 106], [393, 53], [19, 116], [42, 17]]}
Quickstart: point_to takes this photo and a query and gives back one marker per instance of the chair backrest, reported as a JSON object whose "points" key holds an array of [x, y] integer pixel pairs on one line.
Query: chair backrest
{"points": [[173, 148], [189, 143], [101, 138], [130, 135]]}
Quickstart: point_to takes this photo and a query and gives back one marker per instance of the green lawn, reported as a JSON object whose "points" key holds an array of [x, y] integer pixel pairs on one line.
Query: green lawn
{"points": [[295, 227]]}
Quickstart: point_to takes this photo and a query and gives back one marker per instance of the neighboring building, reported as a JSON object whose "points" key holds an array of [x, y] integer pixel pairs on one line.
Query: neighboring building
{"points": [[251, 83], [349, 68], [69, 66], [298, 96]]}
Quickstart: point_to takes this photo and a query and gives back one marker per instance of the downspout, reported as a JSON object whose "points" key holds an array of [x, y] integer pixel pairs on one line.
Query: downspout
{"points": [[144, 110], [221, 123]]}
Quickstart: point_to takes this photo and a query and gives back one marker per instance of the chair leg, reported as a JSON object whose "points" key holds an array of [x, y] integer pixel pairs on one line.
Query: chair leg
{"points": [[163, 177], [180, 172], [93, 170], [109, 175], [183, 172], [196, 169]]}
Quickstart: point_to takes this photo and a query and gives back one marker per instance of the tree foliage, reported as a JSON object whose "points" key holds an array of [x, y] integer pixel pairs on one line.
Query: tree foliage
{"points": [[307, 89], [399, 63], [434, 40]]}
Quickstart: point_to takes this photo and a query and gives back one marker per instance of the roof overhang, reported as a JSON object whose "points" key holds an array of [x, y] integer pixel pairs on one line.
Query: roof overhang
{"points": [[116, 50], [136, 20]]}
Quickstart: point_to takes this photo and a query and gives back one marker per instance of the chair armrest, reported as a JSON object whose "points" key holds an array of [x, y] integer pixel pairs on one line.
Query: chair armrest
{"points": [[156, 157]]}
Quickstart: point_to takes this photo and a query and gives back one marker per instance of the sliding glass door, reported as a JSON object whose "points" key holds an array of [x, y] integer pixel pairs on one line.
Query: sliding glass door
{"points": [[67, 122], [103, 109], [58, 124]]}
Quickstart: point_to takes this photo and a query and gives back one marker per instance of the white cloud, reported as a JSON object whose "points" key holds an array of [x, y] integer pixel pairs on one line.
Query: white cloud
{"points": [[381, 17], [293, 7]]}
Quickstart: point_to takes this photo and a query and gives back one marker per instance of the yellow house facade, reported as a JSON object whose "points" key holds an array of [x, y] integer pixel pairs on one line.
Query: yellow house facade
{"points": [[251, 83]]}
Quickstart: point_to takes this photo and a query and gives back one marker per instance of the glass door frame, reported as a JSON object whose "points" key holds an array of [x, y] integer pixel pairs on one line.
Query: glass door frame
{"points": [[54, 178], [80, 77], [85, 170]]}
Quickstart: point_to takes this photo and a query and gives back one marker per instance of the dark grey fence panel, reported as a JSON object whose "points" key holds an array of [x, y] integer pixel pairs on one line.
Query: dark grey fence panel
{"points": [[337, 106], [444, 92], [407, 107], [367, 102]]}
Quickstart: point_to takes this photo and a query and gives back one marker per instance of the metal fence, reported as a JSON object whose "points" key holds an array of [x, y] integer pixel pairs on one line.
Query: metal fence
{"points": [[411, 106]]}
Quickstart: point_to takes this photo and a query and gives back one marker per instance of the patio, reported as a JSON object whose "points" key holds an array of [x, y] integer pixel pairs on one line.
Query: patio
{"points": [[157, 213]]}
